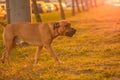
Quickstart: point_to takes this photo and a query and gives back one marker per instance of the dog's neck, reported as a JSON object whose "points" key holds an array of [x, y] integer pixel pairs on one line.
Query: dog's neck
{"points": [[54, 32]]}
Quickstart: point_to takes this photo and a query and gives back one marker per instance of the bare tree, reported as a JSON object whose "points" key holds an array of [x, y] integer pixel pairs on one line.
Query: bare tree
{"points": [[83, 4], [86, 5], [73, 7], [91, 3], [61, 10], [95, 3], [38, 18], [77, 4]]}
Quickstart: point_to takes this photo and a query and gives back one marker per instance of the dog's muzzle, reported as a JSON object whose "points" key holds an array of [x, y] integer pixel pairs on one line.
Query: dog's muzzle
{"points": [[70, 33]]}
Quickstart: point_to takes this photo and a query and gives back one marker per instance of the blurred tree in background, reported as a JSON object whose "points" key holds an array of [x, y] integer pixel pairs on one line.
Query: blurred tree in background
{"points": [[77, 5], [86, 5], [73, 7], [95, 3], [82, 4], [37, 16], [61, 10]]}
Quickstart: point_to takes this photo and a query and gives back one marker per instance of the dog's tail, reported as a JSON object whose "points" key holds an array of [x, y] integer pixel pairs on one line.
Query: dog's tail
{"points": [[3, 24]]}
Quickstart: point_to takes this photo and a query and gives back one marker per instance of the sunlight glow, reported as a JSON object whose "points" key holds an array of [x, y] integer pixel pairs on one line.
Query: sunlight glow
{"points": [[113, 2]]}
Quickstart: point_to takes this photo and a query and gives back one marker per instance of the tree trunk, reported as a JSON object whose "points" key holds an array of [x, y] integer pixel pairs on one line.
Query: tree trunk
{"points": [[19, 12], [91, 3], [95, 3], [82, 3], [8, 11], [61, 10], [77, 4], [86, 7], [73, 7], [37, 16]]}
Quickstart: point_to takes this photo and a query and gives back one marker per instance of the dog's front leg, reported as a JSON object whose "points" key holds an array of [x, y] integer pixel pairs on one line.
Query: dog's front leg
{"points": [[38, 52], [53, 54]]}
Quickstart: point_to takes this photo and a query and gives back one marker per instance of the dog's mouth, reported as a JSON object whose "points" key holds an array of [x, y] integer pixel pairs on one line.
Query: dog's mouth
{"points": [[71, 32]]}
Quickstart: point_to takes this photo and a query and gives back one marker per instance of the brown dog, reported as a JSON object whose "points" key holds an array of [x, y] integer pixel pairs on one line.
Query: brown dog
{"points": [[38, 34]]}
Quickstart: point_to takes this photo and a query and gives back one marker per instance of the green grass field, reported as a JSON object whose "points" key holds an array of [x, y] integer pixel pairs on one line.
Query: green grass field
{"points": [[93, 53], [53, 16]]}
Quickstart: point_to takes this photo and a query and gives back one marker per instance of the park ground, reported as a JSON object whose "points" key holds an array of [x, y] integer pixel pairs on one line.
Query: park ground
{"points": [[93, 53]]}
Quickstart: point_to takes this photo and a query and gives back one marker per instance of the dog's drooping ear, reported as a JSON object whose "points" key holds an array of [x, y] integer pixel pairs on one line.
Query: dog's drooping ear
{"points": [[56, 25]]}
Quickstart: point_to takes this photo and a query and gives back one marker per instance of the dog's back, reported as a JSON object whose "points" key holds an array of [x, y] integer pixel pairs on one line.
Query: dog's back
{"points": [[27, 32]]}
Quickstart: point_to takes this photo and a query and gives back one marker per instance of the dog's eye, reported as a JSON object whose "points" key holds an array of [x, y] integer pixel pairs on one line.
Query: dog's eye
{"points": [[68, 25]]}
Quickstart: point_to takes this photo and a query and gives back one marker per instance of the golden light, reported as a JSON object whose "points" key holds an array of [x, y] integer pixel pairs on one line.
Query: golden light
{"points": [[116, 0], [113, 2], [116, 3]]}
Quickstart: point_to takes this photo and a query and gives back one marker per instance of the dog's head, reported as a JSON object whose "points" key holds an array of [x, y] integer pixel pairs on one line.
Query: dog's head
{"points": [[64, 28]]}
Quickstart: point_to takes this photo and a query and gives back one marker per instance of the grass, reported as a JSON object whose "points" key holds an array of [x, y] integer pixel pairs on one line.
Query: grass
{"points": [[91, 54], [53, 16]]}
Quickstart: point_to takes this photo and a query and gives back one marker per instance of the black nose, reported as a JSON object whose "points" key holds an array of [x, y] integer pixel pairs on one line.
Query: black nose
{"points": [[74, 30], [71, 32]]}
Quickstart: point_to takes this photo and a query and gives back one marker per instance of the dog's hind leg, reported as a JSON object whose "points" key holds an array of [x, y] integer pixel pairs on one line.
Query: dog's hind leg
{"points": [[3, 56], [8, 47], [38, 52]]}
